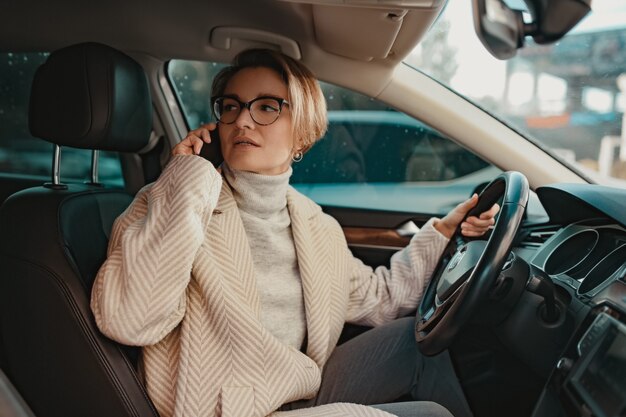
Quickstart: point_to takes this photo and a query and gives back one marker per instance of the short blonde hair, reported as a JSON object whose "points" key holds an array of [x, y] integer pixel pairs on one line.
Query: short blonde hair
{"points": [[306, 100]]}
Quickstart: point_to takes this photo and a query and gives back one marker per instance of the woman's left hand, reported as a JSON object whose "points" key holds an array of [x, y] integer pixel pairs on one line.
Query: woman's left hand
{"points": [[472, 226]]}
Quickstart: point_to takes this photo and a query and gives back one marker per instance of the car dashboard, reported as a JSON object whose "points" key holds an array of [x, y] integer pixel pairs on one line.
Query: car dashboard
{"points": [[585, 256]]}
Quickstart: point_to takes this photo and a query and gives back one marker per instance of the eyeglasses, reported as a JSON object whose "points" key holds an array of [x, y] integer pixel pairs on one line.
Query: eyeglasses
{"points": [[263, 110]]}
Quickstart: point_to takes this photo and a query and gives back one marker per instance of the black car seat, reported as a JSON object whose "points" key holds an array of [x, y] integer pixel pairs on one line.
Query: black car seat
{"points": [[54, 238]]}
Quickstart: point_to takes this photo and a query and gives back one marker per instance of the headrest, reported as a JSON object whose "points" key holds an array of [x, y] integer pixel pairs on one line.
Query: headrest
{"points": [[91, 96]]}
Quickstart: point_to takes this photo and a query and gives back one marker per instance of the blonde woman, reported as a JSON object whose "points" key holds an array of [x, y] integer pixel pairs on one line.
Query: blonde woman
{"points": [[237, 286]]}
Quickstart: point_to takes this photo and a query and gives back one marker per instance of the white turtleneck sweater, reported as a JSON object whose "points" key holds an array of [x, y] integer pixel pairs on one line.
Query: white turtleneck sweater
{"points": [[262, 202]]}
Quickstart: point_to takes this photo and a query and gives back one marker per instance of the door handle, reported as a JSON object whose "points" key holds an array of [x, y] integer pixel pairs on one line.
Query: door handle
{"points": [[407, 229]]}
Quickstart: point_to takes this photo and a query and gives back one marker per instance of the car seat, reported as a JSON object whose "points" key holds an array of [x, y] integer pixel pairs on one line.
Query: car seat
{"points": [[53, 239]]}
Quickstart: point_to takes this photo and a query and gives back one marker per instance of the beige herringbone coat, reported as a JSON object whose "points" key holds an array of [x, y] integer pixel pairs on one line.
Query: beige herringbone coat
{"points": [[179, 281]]}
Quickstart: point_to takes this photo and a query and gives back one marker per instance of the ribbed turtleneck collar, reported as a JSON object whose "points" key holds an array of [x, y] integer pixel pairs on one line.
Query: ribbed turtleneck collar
{"points": [[259, 195]]}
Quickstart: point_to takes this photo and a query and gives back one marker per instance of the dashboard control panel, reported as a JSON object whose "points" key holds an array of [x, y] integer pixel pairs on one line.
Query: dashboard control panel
{"points": [[595, 381]]}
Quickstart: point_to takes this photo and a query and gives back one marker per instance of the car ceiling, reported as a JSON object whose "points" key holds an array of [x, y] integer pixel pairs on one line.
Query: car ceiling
{"points": [[362, 42]]}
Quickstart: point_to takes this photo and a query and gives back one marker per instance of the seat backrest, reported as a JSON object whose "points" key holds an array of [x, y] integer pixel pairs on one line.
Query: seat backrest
{"points": [[54, 239]]}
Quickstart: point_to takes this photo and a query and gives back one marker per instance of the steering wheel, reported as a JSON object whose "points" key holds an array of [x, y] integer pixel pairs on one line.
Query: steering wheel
{"points": [[463, 283]]}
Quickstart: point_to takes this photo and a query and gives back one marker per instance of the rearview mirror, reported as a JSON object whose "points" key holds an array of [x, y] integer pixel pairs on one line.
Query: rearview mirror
{"points": [[499, 28], [502, 30]]}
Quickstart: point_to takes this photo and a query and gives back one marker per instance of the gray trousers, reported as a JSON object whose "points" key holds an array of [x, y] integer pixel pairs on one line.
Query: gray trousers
{"points": [[384, 364]]}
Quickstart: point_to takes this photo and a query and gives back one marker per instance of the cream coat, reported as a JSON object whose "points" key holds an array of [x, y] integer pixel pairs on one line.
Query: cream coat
{"points": [[179, 281]]}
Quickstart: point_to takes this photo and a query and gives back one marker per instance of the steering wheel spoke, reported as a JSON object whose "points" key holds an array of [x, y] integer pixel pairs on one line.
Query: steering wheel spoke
{"points": [[437, 311]]}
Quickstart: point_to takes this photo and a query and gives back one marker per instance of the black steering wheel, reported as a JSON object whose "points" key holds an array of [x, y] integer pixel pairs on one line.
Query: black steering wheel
{"points": [[460, 285]]}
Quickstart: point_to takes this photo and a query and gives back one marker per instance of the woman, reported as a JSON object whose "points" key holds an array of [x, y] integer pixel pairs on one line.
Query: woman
{"points": [[237, 287]]}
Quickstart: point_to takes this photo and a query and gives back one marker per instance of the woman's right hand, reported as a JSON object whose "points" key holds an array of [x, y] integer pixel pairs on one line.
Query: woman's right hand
{"points": [[193, 142]]}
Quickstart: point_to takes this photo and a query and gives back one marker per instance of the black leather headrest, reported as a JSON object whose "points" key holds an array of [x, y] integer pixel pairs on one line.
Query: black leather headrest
{"points": [[91, 96]]}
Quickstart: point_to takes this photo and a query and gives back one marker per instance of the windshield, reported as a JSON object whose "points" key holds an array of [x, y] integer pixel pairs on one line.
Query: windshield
{"points": [[564, 96]]}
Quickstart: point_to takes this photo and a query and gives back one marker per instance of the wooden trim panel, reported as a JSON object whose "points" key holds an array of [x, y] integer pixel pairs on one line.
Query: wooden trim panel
{"points": [[374, 236]]}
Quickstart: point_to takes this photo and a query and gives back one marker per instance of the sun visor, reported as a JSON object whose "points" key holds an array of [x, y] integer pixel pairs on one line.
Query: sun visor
{"points": [[367, 34]]}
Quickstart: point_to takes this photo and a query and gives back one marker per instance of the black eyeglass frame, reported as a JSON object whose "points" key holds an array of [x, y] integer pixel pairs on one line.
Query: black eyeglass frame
{"points": [[248, 105]]}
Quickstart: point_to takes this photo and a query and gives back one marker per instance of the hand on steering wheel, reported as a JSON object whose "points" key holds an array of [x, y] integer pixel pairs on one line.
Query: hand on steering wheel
{"points": [[473, 226], [459, 286]]}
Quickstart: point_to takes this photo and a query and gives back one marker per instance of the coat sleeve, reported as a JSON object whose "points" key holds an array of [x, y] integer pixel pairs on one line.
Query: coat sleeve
{"points": [[139, 293], [383, 294]]}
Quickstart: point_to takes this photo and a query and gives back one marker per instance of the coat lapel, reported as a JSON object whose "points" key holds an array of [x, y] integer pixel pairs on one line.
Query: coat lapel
{"points": [[314, 273], [228, 240]]}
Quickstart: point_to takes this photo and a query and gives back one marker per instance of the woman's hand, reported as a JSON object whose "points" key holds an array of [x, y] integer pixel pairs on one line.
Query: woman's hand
{"points": [[473, 226], [193, 142]]}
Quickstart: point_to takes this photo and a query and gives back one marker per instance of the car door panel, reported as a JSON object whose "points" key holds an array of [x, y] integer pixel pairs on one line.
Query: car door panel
{"points": [[375, 235]]}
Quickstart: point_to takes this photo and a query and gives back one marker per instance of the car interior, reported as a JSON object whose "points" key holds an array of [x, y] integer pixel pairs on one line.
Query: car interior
{"points": [[534, 315]]}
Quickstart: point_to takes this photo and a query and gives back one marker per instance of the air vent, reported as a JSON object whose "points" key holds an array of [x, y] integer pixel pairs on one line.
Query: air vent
{"points": [[538, 236]]}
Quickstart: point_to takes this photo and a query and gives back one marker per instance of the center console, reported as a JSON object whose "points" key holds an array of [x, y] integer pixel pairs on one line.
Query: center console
{"points": [[596, 384], [590, 377]]}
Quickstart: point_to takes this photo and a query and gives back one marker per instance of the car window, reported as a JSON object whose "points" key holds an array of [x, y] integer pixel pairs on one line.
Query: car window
{"points": [[370, 154], [23, 154]]}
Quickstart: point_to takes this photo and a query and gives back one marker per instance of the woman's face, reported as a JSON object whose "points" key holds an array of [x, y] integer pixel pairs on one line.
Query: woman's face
{"points": [[248, 146]]}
